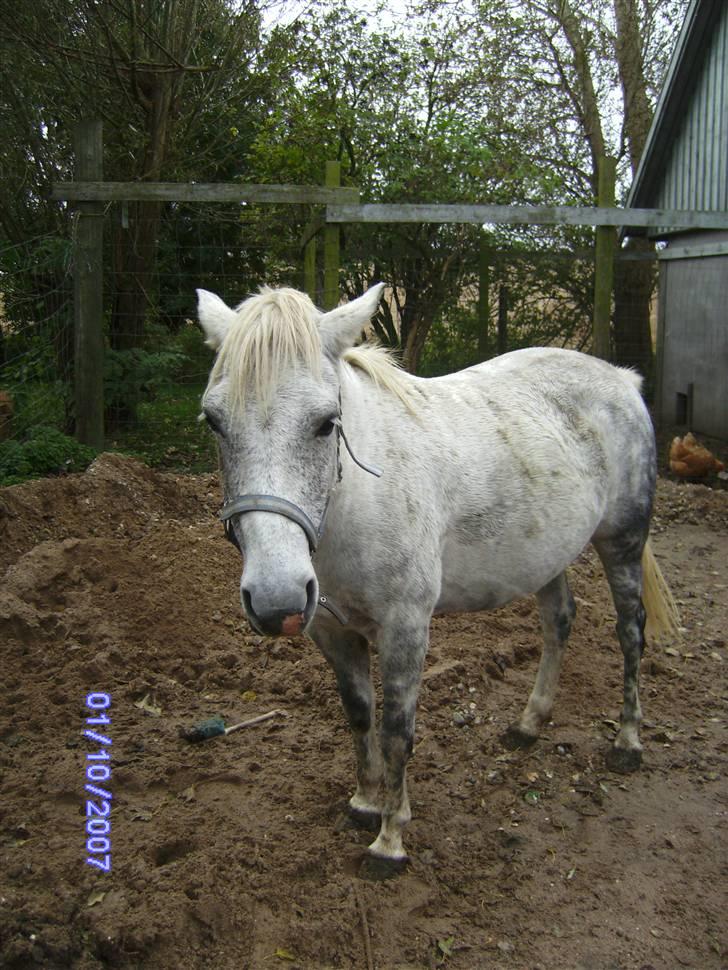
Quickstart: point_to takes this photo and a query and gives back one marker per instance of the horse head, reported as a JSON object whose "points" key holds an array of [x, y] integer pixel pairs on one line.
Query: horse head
{"points": [[273, 401]]}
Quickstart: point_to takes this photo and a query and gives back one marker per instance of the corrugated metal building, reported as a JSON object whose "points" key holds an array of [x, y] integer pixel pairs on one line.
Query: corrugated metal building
{"points": [[685, 166]]}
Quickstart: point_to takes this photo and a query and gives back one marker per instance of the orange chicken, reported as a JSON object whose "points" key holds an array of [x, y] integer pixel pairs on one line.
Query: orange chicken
{"points": [[689, 459]]}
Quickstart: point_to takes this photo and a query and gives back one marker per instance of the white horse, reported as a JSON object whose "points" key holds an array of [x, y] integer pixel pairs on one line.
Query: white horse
{"points": [[493, 480]]}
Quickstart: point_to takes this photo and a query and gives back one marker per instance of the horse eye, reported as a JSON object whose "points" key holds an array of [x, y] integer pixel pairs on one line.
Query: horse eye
{"points": [[326, 428], [213, 425]]}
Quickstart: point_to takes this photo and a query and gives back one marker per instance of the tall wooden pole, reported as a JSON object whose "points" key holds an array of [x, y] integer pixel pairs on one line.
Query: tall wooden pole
{"points": [[309, 264], [88, 291], [332, 245], [604, 264], [503, 319]]}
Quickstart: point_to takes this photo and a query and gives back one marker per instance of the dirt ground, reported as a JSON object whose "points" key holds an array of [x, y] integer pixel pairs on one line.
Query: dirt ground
{"points": [[235, 853]]}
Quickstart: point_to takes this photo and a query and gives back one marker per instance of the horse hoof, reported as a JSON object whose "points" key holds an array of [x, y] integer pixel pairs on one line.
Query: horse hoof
{"points": [[514, 738], [369, 821], [375, 868], [349, 818], [624, 760]]}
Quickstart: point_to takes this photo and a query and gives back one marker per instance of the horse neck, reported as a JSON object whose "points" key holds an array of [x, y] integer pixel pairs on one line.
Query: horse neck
{"points": [[363, 406]]}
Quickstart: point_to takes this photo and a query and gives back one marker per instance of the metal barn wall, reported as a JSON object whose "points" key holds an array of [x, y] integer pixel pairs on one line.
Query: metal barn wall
{"points": [[696, 167], [693, 336]]}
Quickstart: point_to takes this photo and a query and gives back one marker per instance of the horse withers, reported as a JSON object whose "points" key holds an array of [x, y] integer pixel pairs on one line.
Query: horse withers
{"points": [[364, 499]]}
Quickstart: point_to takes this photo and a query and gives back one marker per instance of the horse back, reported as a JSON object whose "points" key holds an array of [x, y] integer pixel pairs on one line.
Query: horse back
{"points": [[544, 450]]}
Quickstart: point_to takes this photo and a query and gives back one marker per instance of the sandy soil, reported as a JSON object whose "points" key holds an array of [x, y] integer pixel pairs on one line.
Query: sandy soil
{"points": [[235, 854]]}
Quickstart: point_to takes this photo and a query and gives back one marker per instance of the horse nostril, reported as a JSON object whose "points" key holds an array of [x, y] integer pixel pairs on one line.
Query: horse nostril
{"points": [[247, 603], [311, 597]]}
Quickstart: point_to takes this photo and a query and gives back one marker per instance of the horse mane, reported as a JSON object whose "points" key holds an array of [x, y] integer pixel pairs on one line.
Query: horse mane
{"points": [[382, 368], [276, 329]]}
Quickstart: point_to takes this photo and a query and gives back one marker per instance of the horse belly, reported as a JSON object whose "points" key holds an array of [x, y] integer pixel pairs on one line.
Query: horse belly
{"points": [[468, 584], [484, 575]]}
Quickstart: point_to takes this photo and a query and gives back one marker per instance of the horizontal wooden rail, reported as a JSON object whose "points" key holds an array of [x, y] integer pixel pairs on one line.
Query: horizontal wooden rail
{"points": [[706, 251], [200, 192], [530, 215]]}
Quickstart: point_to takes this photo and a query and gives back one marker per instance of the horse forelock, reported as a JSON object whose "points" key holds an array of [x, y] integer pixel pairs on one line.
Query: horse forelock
{"points": [[274, 331], [277, 330]]}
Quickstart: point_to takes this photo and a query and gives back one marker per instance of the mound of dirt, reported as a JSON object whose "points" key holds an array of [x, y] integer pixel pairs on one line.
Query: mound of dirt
{"points": [[116, 497], [235, 853]]}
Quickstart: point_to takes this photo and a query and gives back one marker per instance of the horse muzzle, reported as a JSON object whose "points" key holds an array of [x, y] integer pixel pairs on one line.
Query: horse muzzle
{"points": [[275, 621], [269, 618]]}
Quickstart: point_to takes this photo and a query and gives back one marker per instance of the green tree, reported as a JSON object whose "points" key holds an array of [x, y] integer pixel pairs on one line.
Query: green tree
{"points": [[407, 114], [573, 60], [152, 70], [181, 86]]}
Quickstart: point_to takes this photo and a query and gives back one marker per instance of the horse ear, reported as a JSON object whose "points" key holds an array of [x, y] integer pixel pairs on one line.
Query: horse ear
{"points": [[340, 328], [215, 317]]}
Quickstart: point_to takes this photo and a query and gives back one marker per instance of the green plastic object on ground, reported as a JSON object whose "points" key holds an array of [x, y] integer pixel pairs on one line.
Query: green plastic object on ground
{"points": [[211, 728]]}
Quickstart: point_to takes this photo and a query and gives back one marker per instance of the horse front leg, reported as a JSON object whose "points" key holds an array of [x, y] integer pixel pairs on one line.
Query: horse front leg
{"points": [[401, 656], [348, 654]]}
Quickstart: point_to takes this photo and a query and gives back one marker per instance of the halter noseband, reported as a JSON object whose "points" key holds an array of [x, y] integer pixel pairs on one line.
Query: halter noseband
{"points": [[269, 503], [281, 506]]}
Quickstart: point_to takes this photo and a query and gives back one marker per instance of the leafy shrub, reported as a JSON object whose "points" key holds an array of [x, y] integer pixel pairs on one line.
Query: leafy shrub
{"points": [[138, 375], [46, 451], [190, 342], [134, 376], [451, 345], [168, 433]]}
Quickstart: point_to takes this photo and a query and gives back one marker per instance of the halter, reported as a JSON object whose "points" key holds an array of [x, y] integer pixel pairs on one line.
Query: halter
{"points": [[251, 502]]}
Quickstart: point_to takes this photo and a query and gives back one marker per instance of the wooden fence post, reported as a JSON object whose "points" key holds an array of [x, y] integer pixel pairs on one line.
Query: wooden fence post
{"points": [[309, 246], [332, 245], [503, 320], [604, 264], [88, 306], [484, 260], [309, 267]]}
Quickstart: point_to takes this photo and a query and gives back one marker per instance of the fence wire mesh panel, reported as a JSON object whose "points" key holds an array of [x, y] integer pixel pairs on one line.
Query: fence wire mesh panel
{"points": [[457, 294], [36, 353], [155, 361], [461, 294]]}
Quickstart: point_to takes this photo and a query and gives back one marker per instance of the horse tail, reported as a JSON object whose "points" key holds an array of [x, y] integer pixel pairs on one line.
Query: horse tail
{"points": [[663, 618]]}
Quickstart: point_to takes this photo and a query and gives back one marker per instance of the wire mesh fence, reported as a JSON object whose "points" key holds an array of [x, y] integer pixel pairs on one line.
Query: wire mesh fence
{"points": [[457, 295], [155, 361], [36, 334]]}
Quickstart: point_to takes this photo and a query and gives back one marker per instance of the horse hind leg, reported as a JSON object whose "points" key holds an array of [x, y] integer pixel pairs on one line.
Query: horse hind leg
{"points": [[621, 559], [557, 609]]}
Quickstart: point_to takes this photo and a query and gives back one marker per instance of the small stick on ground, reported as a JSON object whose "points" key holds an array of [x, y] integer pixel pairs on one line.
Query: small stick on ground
{"points": [[364, 927], [256, 720]]}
